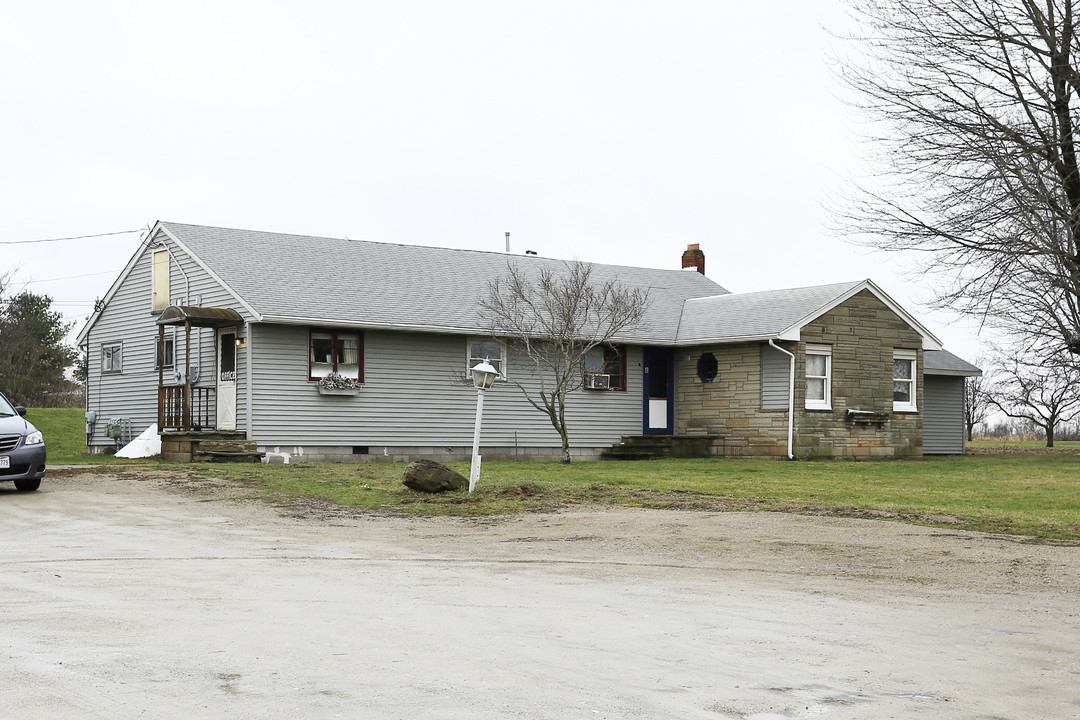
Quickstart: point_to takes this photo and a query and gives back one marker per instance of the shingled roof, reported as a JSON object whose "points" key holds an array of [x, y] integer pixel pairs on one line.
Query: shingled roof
{"points": [[318, 280], [302, 279], [943, 362], [775, 314]]}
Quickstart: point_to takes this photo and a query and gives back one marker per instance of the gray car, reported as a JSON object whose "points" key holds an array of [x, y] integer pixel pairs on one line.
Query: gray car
{"points": [[22, 448]]}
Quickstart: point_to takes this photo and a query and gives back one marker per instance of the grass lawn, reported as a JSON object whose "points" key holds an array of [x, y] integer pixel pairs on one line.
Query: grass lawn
{"points": [[1024, 494], [1014, 493]]}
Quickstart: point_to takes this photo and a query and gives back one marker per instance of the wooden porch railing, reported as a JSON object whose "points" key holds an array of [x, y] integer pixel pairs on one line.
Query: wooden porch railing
{"points": [[176, 414]]}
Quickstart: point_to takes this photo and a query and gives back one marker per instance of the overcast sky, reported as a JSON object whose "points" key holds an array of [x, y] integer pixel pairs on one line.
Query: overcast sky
{"points": [[600, 130]]}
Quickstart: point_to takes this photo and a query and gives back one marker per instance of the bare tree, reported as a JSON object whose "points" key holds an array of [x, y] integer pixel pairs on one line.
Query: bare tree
{"points": [[553, 316], [973, 109], [976, 401], [1044, 392]]}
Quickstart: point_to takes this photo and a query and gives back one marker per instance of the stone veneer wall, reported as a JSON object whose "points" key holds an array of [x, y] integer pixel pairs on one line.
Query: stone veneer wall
{"points": [[863, 333], [730, 406]]}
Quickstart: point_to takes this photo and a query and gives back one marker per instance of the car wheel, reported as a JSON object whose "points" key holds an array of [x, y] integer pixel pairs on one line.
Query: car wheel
{"points": [[28, 485]]}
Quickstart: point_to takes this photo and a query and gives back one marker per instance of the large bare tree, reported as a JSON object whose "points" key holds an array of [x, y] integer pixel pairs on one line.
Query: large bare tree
{"points": [[554, 316], [973, 106]]}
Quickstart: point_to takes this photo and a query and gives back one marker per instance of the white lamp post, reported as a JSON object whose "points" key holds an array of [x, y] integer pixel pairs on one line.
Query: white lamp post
{"points": [[483, 376]]}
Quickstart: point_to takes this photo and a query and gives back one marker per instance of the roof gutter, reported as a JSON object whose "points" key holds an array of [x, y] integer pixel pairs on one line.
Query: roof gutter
{"points": [[791, 399]]}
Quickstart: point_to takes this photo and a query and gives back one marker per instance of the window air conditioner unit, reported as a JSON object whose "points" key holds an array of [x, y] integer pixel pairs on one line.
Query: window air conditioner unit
{"points": [[598, 381]]}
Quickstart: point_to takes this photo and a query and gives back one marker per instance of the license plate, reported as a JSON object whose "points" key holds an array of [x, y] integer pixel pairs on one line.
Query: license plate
{"points": [[5, 462]]}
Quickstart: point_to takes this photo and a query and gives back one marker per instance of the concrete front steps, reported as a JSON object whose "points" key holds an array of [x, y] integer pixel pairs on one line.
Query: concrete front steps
{"points": [[639, 447], [651, 447]]}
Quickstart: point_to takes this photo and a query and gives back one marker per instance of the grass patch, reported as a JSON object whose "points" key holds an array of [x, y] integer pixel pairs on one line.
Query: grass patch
{"points": [[65, 437], [1035, 495]]}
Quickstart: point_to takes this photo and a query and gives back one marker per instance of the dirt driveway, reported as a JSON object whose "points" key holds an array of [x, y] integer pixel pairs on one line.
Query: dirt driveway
{"points": [[136, 596]]}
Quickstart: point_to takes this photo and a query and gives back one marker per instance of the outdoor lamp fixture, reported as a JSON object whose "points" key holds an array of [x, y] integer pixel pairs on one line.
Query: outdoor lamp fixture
{"points": [[483, 376]]}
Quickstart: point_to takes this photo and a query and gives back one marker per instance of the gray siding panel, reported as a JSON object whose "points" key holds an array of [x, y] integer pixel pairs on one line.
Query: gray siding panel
{"points": [[412, 396], [943, 415], [127, 319], [775, 373]]}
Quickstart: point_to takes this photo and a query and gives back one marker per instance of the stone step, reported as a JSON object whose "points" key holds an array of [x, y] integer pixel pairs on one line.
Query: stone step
{"points": [[237, 456], [247, 446]]}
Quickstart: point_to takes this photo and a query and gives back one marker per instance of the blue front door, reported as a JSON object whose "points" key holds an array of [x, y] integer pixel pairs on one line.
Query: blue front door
{"points": [[659, 391]]}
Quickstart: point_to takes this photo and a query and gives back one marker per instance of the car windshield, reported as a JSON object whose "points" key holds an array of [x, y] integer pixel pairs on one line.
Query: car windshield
{"points": [[5, 407]]}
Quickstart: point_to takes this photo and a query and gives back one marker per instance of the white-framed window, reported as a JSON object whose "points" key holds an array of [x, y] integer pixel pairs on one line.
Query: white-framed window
{"points": [[161, 280], [481, 349], [112, 357], [904, 379], [165, 352], [818, 377]]}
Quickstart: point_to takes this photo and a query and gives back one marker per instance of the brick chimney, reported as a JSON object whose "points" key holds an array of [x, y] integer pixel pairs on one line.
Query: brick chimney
{"points": [[694, 258]]}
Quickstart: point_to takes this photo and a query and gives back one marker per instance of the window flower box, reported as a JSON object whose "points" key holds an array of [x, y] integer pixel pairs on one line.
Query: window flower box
{"points": [[335, 384], [338, 391]]}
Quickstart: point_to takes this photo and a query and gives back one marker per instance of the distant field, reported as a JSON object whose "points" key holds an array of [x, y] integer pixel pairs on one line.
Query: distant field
{"points": [[1006, 444]]}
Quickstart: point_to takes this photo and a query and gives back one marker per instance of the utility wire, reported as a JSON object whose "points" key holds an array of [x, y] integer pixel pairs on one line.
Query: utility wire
{"points": [[73, 237], [72, 277]]}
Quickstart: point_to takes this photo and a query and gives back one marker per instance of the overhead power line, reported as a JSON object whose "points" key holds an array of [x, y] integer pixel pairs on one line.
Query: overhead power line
{"points": [[72, 277], [73, 237]]}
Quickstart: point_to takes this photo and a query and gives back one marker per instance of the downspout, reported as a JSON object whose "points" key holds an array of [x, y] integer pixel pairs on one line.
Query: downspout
{"points": [[791, 399], [249, 423]]}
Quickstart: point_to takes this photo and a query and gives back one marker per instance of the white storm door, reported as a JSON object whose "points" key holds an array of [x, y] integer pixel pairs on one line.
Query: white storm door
{"points": [[226, 379]]}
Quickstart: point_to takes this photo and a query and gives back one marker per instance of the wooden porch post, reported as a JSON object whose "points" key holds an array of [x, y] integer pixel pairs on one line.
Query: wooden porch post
{"points": [[187, 374]]}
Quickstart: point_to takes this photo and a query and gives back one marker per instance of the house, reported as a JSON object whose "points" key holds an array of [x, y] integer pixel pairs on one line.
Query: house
{"points": [[221, 336]]}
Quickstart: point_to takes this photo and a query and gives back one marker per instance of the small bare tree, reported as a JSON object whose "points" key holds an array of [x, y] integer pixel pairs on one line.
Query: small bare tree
{"points": [[1044, 392], [554, 316]]}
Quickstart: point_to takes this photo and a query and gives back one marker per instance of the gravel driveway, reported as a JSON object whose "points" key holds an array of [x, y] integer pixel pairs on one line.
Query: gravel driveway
{"points": [[141, 596]]}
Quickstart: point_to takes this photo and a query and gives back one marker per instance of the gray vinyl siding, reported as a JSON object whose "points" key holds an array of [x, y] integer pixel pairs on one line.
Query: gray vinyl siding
{"points": [[775, 373], [413, 396], [943, 415], [127, 319]]}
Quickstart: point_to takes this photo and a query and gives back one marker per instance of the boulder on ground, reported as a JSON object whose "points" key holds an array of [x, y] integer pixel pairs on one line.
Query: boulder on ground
{"points": [[432, 477]]}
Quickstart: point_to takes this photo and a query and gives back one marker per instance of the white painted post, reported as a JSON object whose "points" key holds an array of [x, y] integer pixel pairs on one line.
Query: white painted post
{"points": [[474, 472]]}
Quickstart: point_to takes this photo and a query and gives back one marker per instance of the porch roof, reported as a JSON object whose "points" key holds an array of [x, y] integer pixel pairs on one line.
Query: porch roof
{"points": [[199, 316]]}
